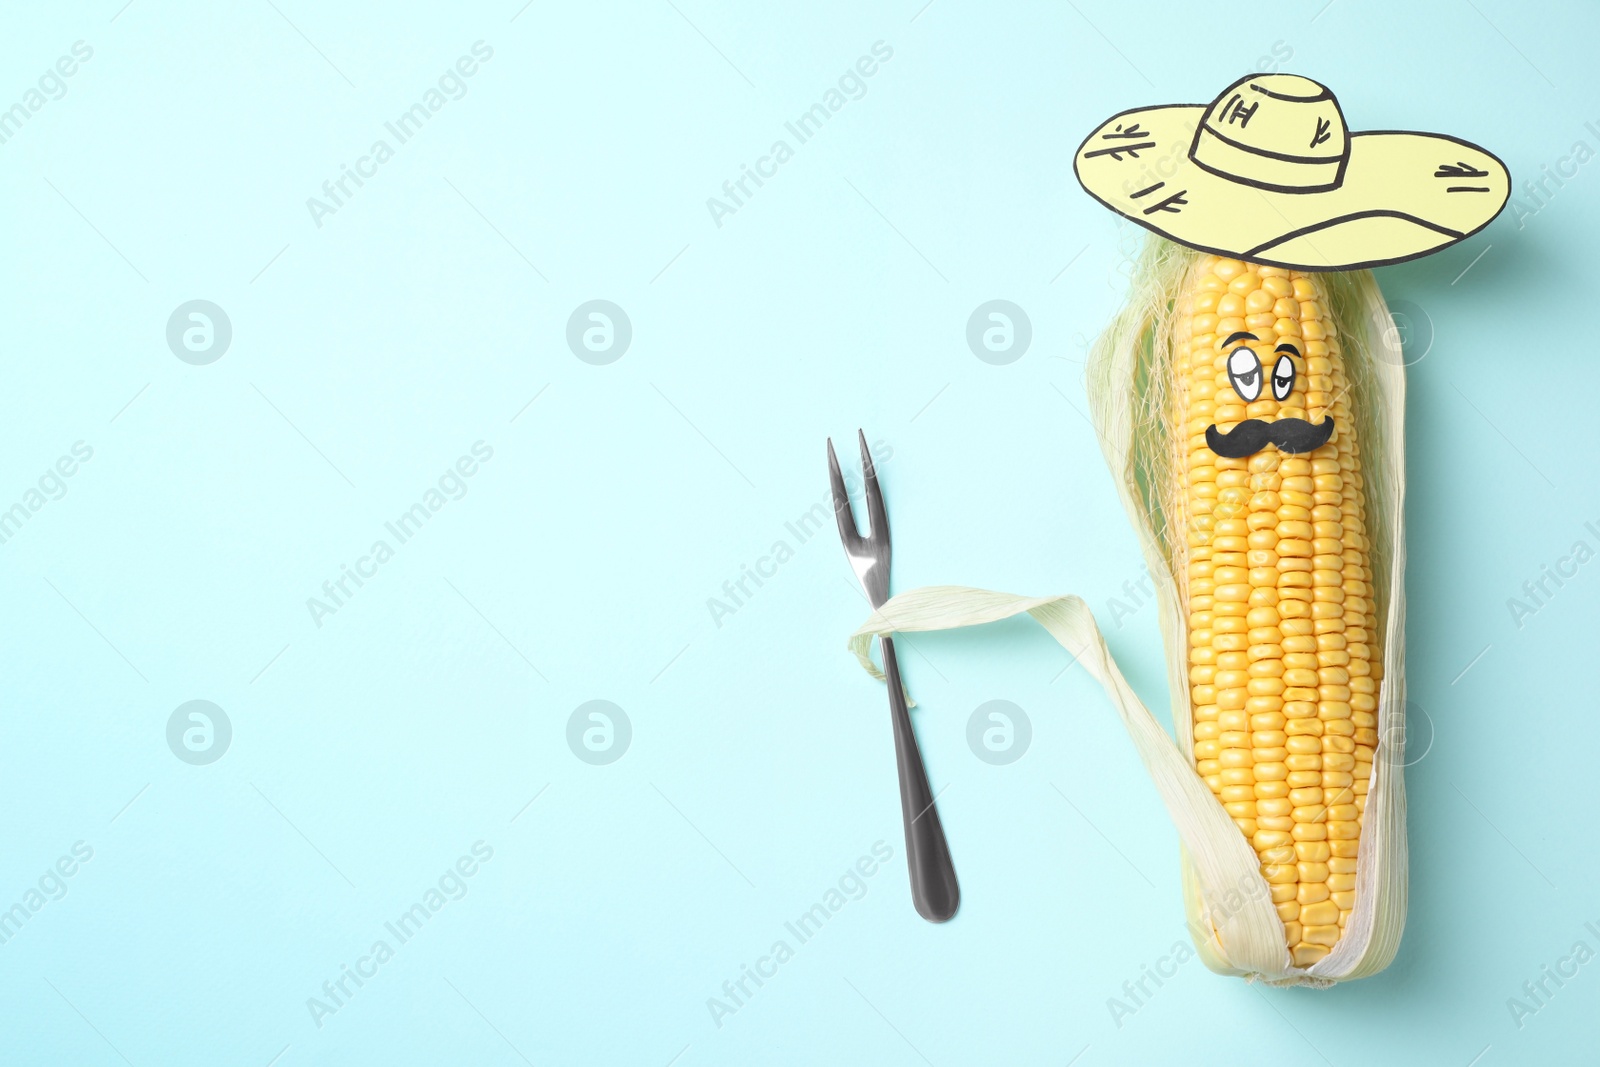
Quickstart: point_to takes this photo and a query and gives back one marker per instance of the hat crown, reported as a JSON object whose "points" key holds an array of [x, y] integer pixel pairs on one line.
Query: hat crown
{"points": [[1275, 131]]}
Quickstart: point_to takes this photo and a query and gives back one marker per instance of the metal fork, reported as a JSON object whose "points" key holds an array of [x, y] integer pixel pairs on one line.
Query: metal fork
{"points": [[933, 876]]}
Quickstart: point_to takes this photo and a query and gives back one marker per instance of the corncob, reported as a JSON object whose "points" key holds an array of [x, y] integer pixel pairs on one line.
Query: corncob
{"points": [[1275, 579], [1276, 575]]}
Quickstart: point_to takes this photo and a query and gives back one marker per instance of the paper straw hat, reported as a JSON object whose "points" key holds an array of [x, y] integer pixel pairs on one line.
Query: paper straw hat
{"points": [[1269, 172]]}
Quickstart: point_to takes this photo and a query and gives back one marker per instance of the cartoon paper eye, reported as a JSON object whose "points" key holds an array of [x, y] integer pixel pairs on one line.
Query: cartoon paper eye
{"points": [[1244, 370], [1283, 377]]}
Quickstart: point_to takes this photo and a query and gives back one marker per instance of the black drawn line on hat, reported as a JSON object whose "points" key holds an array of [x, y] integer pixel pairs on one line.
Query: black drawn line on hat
{"points": [[1116, 153], [1342, 160], [1167, 204], [1468, 189], [1235, 111], [1256, 183], [1269, 202], [1257, 150], [1377, 213], [1264, 91], [1133, 132], [1322, 134], [1151, 189], [1459, 170]]}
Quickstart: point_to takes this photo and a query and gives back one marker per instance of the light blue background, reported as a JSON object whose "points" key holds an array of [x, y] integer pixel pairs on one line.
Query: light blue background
{"points": [[368, 354]]}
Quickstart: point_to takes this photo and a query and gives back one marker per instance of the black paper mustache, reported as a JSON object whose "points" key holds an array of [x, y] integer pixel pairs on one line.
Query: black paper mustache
{"points": [[1252, 435]]}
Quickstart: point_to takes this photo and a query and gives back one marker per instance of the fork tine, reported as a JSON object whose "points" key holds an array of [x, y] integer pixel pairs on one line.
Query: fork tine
{"points": [[875, 510], [841, 503]]}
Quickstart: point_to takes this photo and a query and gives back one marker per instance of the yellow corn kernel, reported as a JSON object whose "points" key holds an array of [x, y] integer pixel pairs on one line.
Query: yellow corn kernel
{"points": [[1304, 954], [1312, 852], [1322, 935], [1313, 872], [1312, 892], [1280, 874], [1325, 913]]}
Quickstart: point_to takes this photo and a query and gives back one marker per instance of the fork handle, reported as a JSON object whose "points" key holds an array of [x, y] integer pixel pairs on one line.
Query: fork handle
{"points": [[934, 890]]}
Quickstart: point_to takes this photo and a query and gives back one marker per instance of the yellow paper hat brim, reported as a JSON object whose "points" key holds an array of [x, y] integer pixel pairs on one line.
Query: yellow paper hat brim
{"points": [[1401, 194]]}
